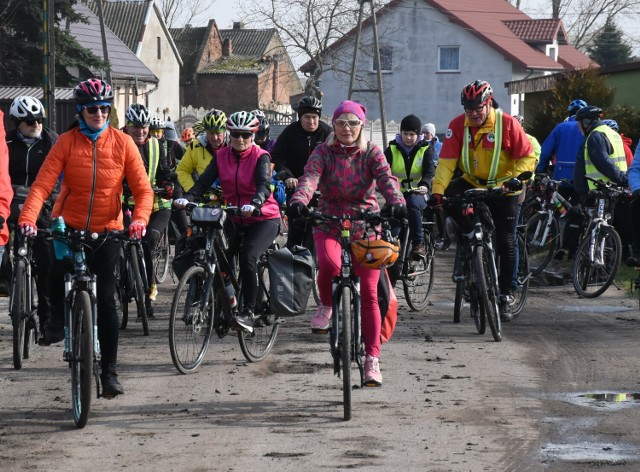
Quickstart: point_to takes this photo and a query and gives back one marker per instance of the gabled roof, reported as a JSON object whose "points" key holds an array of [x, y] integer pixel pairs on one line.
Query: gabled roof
{"points": [[191, 42], [128, 20], [538, 31], [124, 63], [249, 42]]}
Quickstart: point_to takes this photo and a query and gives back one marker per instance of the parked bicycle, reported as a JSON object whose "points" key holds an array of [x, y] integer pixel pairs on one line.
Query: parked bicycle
{"points": [[599, 252], [206, 297]]}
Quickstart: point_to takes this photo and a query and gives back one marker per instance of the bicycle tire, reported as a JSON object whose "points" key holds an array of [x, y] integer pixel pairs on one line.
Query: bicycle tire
{"points": [[477, 312], [30, 327], [458, 301], [255, 346], [136, 268], [541, 251], [522, 290], [417, 287], [18, 313], [591, 280], [346, 318], [161, 256], [122, 292], [487, 296], [189, 340], [81, 358]]}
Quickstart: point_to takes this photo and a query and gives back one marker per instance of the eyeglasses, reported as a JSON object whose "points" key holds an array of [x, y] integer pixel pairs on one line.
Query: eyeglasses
{"points": [[33, 122], [94, 109], [348, 123], [239, 134], [472, 110]]}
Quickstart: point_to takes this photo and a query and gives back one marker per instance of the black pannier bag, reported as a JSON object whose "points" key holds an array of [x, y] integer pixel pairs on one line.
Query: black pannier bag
{"points": [[290, 280]]}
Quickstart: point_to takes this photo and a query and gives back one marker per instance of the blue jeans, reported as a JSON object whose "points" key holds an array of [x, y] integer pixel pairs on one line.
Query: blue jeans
{"points": [[416, 205]]}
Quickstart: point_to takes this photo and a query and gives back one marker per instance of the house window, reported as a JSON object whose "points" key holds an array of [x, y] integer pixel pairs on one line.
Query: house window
{"points": [[386, 59], [448, 58], [159, 44], [552, 52]]}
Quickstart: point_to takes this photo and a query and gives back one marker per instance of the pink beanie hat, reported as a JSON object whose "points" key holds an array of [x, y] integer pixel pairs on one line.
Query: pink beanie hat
{"points": [[349, 106]]}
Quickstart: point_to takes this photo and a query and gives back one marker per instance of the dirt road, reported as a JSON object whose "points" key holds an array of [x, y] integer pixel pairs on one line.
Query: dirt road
{"points": [[452, 400]]}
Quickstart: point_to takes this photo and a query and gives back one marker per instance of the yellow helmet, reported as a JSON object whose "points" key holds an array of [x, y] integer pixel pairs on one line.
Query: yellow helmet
{"points": [[375, 253]]}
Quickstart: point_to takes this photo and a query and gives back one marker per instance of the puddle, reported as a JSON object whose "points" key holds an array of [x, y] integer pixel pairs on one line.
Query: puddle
{"points": [[596, 309], [585, 452], [602, 400], [612, 397]]}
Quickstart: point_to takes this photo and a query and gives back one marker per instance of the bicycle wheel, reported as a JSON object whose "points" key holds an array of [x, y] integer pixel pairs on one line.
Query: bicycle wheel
{"points": [[346, 318], [458, 301], [81, 358], [122, 292], [476, 310], [543, 240], [161, 256], [190, 327], [487, 296], [522, 290], [18, 312], [30, 325], [136, 268], [419, 280], [256, 345], [592, 278]]}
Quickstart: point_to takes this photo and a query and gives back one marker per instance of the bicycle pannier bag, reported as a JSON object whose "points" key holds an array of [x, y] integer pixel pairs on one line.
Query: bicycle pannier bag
{"points": [[290, 280], [208, 216]]}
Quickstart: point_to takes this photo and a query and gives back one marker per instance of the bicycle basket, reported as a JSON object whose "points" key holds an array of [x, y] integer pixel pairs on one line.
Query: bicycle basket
{"points": [[208, 216]]}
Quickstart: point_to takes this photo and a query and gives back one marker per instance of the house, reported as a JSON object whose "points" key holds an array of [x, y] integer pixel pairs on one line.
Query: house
{"points": [[429, 49], [235, 69], [141, 27]]}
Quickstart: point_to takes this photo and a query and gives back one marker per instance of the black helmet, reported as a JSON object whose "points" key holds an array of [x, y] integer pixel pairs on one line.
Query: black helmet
{"points": [[263, 131], [309, 104], [589, 113]]}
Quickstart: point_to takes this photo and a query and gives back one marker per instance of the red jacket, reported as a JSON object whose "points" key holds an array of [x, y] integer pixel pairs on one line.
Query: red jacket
{"points": [[6, 192], [92, 178], [628, 153]]}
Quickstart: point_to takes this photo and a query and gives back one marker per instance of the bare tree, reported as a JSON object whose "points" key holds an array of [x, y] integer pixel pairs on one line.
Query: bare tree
{"points": [[177, 13]]}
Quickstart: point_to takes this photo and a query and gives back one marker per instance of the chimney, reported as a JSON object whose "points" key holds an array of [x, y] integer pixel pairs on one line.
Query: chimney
{"points": [[227, 48], [238, 25]]}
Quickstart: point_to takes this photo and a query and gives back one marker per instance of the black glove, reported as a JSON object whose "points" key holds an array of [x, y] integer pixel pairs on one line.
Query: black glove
{"points": [[513, 185], [394, 210], [435, 200], [1, 222], [296, 210], [624, 180], [168, 190]]}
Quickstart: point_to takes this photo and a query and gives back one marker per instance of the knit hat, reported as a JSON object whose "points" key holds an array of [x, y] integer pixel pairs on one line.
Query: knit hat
{"points": [[349, 106], [429, 128], [410, 123]]}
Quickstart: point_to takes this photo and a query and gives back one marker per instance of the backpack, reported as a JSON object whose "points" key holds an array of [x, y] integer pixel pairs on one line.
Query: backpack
{"points": [[290, 280], [278, 189], [388, 306]]}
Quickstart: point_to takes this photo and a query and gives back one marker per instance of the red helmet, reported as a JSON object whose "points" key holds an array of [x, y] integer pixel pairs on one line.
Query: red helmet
{"points": [[476, 94]]}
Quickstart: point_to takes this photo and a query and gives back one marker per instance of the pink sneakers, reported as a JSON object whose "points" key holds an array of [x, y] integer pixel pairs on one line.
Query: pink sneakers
{"points": [[372, 375], [321, 319]]}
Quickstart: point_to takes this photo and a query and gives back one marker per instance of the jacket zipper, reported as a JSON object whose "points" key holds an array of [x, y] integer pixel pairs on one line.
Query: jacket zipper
{"points": [[93, 185]]}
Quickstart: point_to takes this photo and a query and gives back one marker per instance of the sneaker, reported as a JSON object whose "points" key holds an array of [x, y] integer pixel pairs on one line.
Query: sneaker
{"points": [[149, 307], [110, 385], [442, 244], [53, 333], [372, 375], [418, 251], [154, 292], [321, 320], [505, 302], [245, 320]]}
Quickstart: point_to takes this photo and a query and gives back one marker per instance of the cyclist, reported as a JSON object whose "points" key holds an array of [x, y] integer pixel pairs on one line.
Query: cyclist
{"points": [[491, 148], [410, 157], [5, 187], [187, 136], [348, 169], [534, 141], [153, 155], [172, 149], [202, 149], [634, 185], [292, 150], [29, 143], [244, 172], [94, 158], [262, 135], [429, 133]]}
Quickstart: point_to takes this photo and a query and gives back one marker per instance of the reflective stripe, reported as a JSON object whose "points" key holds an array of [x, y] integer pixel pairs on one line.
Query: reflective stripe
{"points": [[495, 160], [617, 156], [399, 169]]}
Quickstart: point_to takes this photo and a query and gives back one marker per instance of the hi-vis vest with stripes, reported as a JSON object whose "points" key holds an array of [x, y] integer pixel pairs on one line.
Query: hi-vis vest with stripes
{"points": [[154, 161], [495, 160], [399, 169], [617, 156]]}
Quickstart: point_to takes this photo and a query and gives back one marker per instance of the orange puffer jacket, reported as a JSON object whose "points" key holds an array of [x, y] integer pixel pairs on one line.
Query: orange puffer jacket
{"points": [[92, 181]]}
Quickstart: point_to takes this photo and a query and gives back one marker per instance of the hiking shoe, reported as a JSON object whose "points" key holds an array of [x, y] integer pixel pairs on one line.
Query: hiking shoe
{"points": [[418, 251], [110, 385], [148, 307], [441, 243], [154, 292], [53, 333], [372, 375], [321, 320], [245, 319]]}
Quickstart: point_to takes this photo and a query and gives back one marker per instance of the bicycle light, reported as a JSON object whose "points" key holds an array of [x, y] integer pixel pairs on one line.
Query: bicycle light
{"points": [[22, 251]]}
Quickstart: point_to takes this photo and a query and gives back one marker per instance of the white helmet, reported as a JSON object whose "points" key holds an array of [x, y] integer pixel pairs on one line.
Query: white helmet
{"points": [[26, 108]]}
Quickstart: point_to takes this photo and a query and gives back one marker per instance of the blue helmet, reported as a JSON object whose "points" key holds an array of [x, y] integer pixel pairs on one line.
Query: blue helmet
{"points": [[576, 105], [613, 124]]}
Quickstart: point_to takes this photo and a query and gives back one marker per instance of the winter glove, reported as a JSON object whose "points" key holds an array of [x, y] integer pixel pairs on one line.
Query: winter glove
{"points": [[168, 191], [247, 210], [423, 189], [513, 185], [296, 210], [28, 229], [180, 202], [394, 210], [137, 230], [435, 200]]}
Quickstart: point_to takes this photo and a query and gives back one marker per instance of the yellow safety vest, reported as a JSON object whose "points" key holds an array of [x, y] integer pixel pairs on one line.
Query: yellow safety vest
{"points": [[399, 169], [617, 156], [154, 161]]}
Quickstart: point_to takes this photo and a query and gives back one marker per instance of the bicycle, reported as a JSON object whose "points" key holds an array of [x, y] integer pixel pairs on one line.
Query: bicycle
{"points": [[205, 298], [23, 301], [523, 275], [161, 253], [345, 339], [599, 252]]}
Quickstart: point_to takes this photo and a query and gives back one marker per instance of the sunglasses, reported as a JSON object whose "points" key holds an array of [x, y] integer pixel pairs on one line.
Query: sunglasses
{"points": [[33, 122], [94, 109], [348, 123], [476, 109], [238, 134]]}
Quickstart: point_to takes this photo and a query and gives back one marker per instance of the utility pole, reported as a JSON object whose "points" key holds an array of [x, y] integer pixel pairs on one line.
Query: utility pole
{"points": [[105, 49], [49, 62], [354, 65]]}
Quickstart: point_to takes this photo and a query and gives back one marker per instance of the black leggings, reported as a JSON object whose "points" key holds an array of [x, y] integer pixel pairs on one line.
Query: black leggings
{"points": [[503, 211], [254, 240], [158, 221]]}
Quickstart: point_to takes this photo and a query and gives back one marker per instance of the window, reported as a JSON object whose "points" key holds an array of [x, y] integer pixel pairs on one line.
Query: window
{"points": [[386, 59], [159, 44], [448, 58]]}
